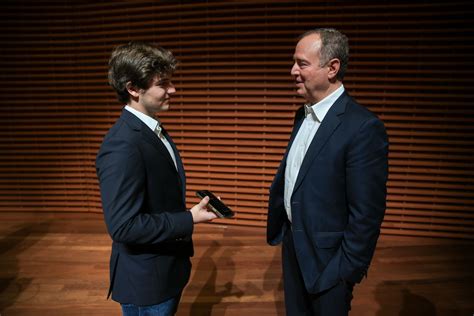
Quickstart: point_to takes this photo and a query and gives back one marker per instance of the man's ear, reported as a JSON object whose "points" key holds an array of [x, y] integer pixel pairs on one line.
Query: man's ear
{"points": [[132, 90], [334, 65]]}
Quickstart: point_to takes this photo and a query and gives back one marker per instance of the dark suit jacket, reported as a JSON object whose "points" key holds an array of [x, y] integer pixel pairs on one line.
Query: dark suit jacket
{"points": [[338, 201], [143, 198]]}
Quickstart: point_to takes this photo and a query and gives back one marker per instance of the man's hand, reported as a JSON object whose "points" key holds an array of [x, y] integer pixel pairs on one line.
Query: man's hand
{"points": [[201, 213]]}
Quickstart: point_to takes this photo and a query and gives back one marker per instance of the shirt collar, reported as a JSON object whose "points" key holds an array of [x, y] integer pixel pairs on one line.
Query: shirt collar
{"points": [[319, 110], [147, 120]]}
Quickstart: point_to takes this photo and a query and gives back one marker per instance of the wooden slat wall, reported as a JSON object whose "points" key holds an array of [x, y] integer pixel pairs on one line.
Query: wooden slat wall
{"points": [[411, 63]]}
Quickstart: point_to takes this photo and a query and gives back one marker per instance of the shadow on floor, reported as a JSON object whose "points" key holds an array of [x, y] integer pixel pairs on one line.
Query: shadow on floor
{"points": [[395, 298], [12, 245], [269, 281], [209, 296]]}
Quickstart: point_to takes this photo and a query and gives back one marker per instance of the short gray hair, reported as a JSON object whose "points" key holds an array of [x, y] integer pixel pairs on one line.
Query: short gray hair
{"points": [[334, 44]]}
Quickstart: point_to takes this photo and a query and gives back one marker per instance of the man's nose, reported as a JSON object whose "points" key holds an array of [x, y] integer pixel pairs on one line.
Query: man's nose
{"points": [[171, 89], [294, 70]]}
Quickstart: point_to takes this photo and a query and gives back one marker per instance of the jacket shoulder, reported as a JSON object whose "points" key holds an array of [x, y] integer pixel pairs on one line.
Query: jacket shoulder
{"points": [[356, 108]]}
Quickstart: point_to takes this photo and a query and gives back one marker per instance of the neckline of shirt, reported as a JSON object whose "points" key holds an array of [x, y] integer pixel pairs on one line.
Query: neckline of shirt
{"points": [[321, 108], [153, 124]]}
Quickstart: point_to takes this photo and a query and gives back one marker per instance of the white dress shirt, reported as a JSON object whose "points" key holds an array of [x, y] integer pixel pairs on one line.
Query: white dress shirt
{"points": [[155, 126], [314, 116]]}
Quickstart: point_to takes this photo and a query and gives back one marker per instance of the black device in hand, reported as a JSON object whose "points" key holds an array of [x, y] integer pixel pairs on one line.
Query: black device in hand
{"points": [[217, 206]]}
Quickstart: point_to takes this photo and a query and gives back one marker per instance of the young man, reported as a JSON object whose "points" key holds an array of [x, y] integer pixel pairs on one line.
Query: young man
{"points": [[327, 200], [142, 184]]}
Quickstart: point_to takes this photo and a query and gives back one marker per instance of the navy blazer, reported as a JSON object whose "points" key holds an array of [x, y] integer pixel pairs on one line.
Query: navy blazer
{"points": [[338, 202], [143, 199]]}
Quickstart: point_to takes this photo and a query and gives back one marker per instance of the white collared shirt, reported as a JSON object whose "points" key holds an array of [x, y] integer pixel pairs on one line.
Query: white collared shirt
{"points": [[303, 140], [155, 126]]}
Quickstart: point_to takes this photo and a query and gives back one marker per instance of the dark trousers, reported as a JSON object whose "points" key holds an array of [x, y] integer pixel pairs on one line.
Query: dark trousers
{"points": [[335, 301]]}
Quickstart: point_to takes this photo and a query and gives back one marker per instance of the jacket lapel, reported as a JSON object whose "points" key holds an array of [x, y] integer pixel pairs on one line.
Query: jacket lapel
{"points": [[297, 124], [149, 136], [330, 123], [153, 139], [179, 162]]}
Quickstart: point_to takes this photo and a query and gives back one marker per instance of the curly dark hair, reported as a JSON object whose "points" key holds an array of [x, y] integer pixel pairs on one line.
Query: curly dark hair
{"points": [[138, 63]]}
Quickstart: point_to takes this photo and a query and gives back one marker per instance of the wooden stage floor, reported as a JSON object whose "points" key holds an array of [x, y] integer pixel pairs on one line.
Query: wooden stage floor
{"points": [[57, 264]]}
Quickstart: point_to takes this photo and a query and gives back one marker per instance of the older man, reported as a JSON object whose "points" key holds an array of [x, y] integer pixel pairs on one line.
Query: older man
{"points": [[327, 200]]}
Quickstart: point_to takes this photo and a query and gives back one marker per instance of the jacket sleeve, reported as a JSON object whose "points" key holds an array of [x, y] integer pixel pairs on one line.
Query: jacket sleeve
{"points": [[366, 177], [122, 181]]}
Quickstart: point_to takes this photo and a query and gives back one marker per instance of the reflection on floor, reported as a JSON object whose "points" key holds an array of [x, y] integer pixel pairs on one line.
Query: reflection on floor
{"points": [[57, 264]]}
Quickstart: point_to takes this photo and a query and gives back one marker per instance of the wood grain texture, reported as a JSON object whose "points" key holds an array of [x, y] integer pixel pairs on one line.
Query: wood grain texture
{"points": [[57, 264]]}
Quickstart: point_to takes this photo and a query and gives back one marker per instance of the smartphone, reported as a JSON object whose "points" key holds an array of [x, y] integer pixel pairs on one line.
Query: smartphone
{"points": [[216, 205]]}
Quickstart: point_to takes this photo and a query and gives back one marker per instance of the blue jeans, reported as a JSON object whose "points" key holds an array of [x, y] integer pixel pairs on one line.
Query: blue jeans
{"points": [[166, 308]]}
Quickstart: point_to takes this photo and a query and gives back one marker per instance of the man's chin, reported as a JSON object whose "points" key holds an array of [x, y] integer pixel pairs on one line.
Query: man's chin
{"points": [[163, 108], [300, 92]]}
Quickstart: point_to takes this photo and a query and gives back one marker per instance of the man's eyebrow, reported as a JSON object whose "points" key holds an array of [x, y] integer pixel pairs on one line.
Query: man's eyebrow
{"points": [[299, 59], [163, 80]]}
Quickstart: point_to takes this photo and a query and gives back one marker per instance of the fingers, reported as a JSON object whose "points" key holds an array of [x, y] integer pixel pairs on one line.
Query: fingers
{"points": [[210, 215], [200, 211], [203, 203]]}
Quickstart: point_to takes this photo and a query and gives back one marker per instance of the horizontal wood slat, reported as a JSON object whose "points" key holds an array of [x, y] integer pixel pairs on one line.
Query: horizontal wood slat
{"points": [[411, 63]]}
